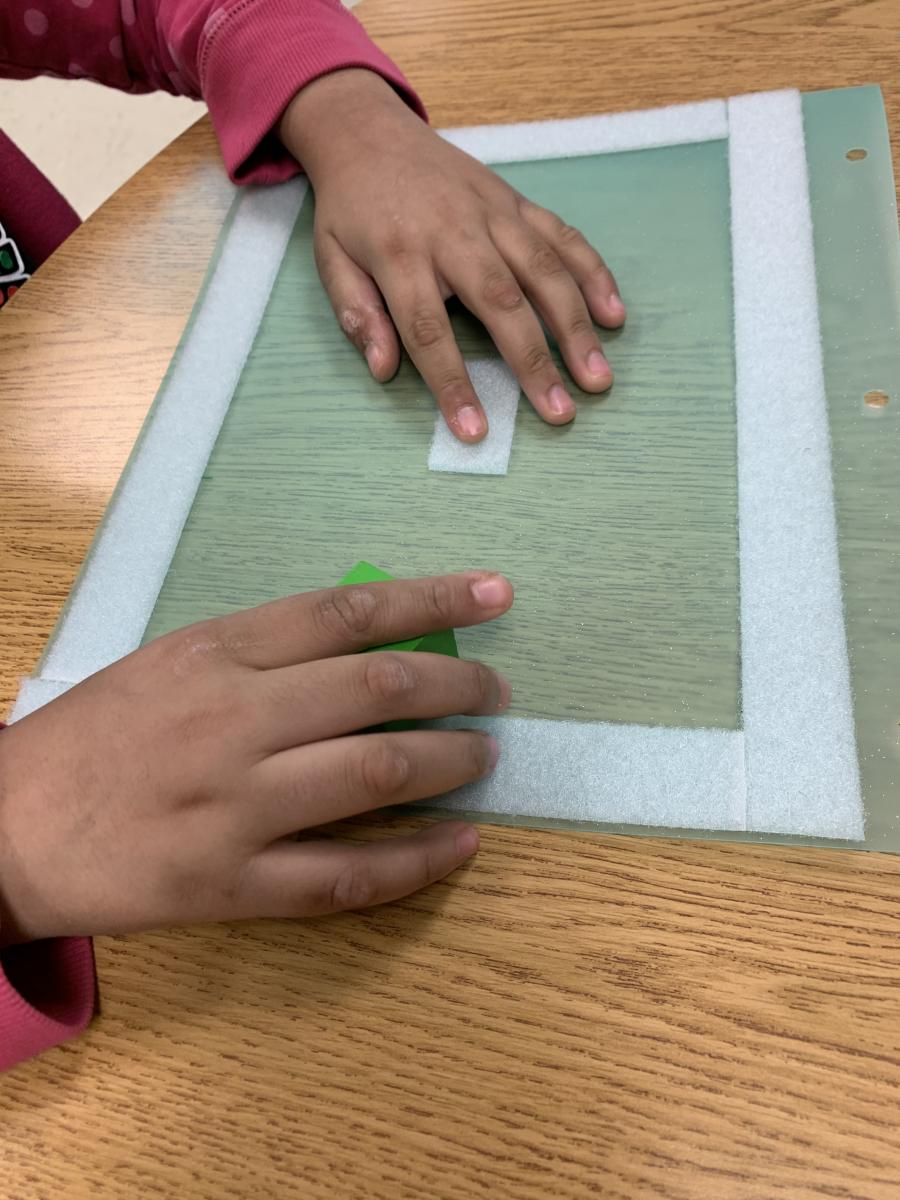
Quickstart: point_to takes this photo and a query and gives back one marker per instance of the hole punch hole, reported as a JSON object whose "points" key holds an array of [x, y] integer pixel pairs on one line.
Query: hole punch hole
{"points": [[857, 155], [876, 399]]}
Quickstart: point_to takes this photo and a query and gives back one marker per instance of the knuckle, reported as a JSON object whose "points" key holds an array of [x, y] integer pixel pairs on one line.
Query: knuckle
{"points": [[598, 265], [298, 791], [192, 648], [439, 602], [527, 208], [394, 245], [568, 235], [182, 883], [197, 726], [385, 770], [428, 869], [483, 681], [544, 261], [387, 677], [426, 329], [580, 325], [454, 390], [188, 890], [501, 291], [230, 888], [537, 359], [347, 612], [354, 886]]}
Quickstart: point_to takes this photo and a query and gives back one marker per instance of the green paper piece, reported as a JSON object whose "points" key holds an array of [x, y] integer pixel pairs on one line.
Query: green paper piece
{"points": [[432, 643], [440, 643], [364, 572]]}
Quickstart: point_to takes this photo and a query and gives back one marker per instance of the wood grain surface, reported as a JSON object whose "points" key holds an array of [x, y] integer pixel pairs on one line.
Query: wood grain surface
{"points": [[570, 1015]]}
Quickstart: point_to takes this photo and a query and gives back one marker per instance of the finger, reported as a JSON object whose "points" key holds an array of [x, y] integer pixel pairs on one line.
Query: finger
{"points": [[312, 785], [343, 620], [300, 705], [587, 267], [549, 284], [310, 879], [358, 307], [421, 318], [487, 287]]}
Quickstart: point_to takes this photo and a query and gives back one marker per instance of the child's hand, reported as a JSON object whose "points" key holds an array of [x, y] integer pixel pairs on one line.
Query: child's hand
{"points": [[166, 788], [403, 215]]}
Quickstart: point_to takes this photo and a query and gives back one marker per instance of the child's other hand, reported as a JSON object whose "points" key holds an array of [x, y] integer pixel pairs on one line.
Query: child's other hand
{"points": [[166, 789], [404, 216]]}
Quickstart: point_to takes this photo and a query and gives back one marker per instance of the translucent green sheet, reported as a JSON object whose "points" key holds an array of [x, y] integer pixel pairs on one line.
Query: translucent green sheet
{"points": [[318, 465], [620, 532]]}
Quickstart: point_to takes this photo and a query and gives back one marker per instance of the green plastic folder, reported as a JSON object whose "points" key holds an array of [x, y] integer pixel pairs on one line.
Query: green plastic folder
{"points": [[620, 532]]}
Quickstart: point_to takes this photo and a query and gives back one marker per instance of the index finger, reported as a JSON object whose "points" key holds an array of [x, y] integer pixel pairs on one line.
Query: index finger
{"points": [[343, 620]]}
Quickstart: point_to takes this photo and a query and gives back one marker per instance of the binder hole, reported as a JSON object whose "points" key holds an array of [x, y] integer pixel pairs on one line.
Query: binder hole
{"points": [[877, 399]]}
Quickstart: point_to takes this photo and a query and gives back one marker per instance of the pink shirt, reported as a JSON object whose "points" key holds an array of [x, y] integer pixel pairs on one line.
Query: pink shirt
{"points": [[247, 59]]}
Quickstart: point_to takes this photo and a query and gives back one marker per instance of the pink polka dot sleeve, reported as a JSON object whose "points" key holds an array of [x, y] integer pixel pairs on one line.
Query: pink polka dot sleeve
{"points": [[246, 58]]}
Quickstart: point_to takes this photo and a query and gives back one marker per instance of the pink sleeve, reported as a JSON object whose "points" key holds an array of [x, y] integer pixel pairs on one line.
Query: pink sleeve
{"points": [[246, 58], [47, 992]]}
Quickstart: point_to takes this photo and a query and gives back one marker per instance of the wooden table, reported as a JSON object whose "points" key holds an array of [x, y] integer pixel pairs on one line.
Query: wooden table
{"points": [[570, 1016]]}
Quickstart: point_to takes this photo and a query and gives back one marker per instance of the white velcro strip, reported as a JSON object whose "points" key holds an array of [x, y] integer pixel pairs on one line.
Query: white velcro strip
{"points": [[34, 694], [114, 597], [619, 774], [498, 390], [676, 125], [802, 767]]}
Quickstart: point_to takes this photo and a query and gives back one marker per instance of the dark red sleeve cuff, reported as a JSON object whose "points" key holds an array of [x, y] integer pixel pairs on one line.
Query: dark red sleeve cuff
{"points": [[47, 995], [247, 90]]}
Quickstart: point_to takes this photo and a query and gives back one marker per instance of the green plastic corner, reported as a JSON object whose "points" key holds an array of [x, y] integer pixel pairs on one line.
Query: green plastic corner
{"points": [[432, 643]]}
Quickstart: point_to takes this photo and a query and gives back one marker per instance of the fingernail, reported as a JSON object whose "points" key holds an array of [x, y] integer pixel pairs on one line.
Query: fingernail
{"points": [[470, 421], [373, 357], [597, 364], [559, 400], [489, 591], [505, 692], [615, 303], [467, 842]]}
